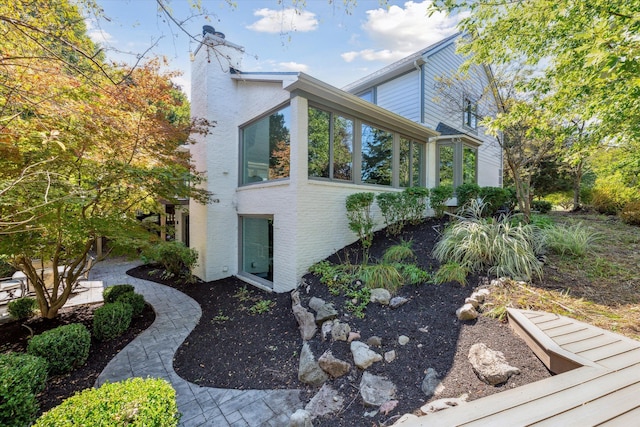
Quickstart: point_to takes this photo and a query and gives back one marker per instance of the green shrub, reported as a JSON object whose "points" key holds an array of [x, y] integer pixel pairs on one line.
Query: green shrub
{"points": [[415, 200], [467, 192], [112, 293], [22, 377], [360, 220], [631, 213], [6, 269], [610, 195], [499, 246], [542, 206], [575, 240], [541, 221], [64, 348], [135, 300], [334, 276], [381, 276], [22, 308], [176, 259], [438, 198], [494, 198], [399, 253], [412, 274], [111, 320], [393, 211], [135, 402], [451, 272], [358, 297]]}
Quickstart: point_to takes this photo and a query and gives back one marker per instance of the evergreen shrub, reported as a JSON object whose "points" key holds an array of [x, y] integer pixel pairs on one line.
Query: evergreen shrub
{"points": [[64, 348], [111, 320]]}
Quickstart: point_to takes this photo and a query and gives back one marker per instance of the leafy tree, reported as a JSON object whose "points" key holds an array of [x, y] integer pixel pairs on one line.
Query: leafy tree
{"points": [[84, 144]]}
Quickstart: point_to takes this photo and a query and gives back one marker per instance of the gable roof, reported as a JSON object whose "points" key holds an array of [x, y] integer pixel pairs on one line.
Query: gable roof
{"points": [[399, 67]]}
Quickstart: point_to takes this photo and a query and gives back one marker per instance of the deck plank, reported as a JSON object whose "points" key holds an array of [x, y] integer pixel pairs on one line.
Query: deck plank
{"points": [[629, 418], [590, 343], [568, 329], [610, 350], [621, 360], [552, 324], [582, 334]]}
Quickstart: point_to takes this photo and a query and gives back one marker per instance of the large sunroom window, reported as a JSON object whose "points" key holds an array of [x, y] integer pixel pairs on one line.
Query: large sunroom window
{"points": [[377, 156], [266, 148], [330, 145], [457, 163], [411, 163]]}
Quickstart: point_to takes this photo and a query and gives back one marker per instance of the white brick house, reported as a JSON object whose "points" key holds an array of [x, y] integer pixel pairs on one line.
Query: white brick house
{"points": [[286, 151]]}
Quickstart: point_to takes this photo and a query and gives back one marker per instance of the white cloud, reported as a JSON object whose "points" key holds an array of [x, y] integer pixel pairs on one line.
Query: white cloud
{"points": [[294, 66], [98, 35], [401, 31], [283, 21]]}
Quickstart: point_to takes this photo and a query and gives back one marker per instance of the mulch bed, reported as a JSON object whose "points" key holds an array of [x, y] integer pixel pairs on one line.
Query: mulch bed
{"points": [[14, 337], [234, 348]]}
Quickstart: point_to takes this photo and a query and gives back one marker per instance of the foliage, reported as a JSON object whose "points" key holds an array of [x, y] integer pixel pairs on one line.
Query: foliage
{"points": [[135, 300], [631, 213], [64, 348], [22, 377], [542, 206], [499, 246], [393, 211], [451, 272], [358, 297], [262, 306], [415, 200], [6, 269], [334, 276], [111, 320], [176, 259], [574, 240], [611, 194], [84, 145], [22, 308], [360, 219], [381, 276], [412, 274], [135, 402], [112, 293], [399, 253], [466, 193], [539, 221], [438, 197], [494, 198]]}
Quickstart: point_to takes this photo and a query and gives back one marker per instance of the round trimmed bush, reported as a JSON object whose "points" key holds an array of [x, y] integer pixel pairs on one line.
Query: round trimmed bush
{"points": [[135, 402], [136, 301], [112, 293], [111, 320], [22, 377], [64, 348], [22, 308]]}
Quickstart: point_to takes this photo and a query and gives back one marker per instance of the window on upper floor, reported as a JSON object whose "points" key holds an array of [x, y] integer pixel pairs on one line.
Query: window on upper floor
{"points": [[470, 113], [457, 163], [266, 148], [330, 145], [368, 95]]}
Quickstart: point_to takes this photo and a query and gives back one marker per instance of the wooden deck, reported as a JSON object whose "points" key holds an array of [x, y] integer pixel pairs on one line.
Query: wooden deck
{"points": [[598, 381]]}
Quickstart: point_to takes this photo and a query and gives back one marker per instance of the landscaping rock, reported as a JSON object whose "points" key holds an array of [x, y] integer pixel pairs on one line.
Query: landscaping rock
{"points": [[327, 401], [480, 295], [489, 365], [326, 329], [441, 404], [390, 356], [300, 418], [363, 356], [309, 372], [397, 302], [332, 365], [431, 384], [374, 341], [353, 336], [403, 340], [405, 420], [324, 310], [305, 319], [467, 312], [388, 406], [340, 331], [474, 302], [376, 390], [380, 295]]}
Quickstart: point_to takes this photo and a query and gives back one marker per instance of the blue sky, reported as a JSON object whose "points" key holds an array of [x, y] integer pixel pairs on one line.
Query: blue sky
{"points": [[322, 39]]}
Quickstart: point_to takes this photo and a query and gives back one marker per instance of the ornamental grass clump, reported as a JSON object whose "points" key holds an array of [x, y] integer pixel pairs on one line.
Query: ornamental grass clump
{"points": [[572, 240], [498, 246]]}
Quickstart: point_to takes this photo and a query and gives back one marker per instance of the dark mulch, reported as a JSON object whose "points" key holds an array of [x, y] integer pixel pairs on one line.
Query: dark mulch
{"points": [[14, 337], [233, 348]]}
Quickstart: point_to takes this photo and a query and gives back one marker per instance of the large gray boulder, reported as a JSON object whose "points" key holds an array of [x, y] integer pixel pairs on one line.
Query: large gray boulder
{"points": [[300, 418], [489, 365], [309, 372], [324, 310], [363, 356], [340, 331], [305, 319], [376, 390], [332, 365], [327, 401]]}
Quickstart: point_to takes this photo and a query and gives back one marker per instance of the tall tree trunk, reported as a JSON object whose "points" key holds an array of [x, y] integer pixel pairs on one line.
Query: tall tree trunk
{"points": [[577, 180]]}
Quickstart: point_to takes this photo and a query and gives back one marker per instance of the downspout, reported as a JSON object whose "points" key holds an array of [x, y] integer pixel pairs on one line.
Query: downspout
{"points": [[420, 68]]}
